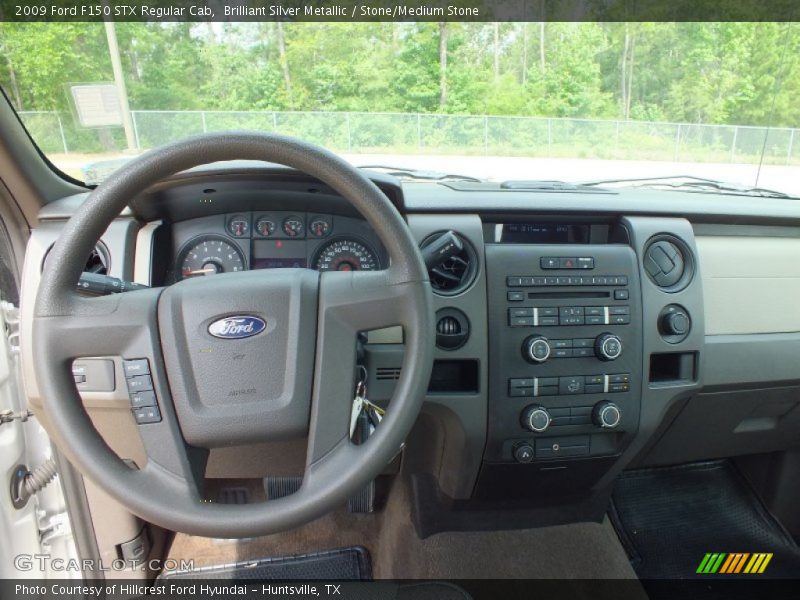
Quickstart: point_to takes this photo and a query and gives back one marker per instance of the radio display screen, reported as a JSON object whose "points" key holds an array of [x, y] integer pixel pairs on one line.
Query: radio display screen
{"points": [[544, 233]]}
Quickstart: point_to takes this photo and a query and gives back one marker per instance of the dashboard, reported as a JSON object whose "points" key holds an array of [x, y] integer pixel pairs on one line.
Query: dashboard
{"points": [[251, 240], [578, 334]]}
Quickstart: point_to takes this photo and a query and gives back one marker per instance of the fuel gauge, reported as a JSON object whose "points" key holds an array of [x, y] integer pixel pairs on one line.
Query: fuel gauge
{"points": [[293, 226]]}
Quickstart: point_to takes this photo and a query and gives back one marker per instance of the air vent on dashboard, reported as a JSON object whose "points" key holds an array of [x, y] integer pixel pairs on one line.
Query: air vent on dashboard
{"points": [[387, 373], [98, 261], [668, 263], [457, 271]]}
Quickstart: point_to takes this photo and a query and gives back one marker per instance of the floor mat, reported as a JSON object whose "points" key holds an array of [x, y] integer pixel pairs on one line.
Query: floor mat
{"points": [[670, 518], [346, 564]]}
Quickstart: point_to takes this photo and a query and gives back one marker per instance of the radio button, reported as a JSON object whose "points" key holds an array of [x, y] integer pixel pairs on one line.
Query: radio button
{"points": [[548, 311], [583, 343], [520, 321], [572, 320], [619, 319], [548, 321], [582, 353], [520, 312], [594, 388], [563, 353], [596, 320], [521, 392], [621, 294], [619, 310], [594, 379], [546, 381], [550, 390], [521, 382], [516, 296], [593, 311], [561, 343]]}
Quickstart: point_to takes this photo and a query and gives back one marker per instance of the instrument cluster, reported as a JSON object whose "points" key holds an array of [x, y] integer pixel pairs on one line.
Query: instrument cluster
{"points": [[273, 239]]}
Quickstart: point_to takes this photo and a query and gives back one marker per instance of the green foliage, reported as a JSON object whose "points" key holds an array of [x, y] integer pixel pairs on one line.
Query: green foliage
{"points": [[714, 73]]}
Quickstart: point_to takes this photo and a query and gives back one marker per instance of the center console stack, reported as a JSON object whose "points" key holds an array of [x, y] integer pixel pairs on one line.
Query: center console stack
{"points": [[565, 356]]}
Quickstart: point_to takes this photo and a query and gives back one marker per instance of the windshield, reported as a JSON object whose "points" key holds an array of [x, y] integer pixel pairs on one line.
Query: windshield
{"points": [[564, 101]]}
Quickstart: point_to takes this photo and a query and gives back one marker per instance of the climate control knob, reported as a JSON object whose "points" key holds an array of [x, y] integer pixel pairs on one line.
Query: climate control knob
{"points": [[535, 418], [536, 349], [606, 414], [608, 346]]}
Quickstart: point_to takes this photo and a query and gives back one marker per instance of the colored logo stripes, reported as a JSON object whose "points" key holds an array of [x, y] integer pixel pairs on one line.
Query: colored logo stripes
{"points": [[734, 563]]}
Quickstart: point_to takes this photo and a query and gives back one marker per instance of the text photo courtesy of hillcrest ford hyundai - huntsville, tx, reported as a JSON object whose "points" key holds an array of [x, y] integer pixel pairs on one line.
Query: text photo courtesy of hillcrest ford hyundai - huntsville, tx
{"points": [[400, 299]]}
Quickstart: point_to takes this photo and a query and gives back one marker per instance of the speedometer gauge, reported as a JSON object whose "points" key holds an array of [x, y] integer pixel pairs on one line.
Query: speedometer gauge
{"points": [[346, 254], [209, 255]]}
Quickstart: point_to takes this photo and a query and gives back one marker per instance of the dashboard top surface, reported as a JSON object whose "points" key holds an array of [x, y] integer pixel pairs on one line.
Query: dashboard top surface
{"points": [[248, 186]]}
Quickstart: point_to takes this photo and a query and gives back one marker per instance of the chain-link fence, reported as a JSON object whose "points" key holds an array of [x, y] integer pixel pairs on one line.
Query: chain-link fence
{"points": [[439, 134]]}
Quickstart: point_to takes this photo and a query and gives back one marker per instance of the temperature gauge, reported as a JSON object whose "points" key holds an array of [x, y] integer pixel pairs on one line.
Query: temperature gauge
{"points": [[265, 226], [320, 227], [239, 226], [293, 226]]}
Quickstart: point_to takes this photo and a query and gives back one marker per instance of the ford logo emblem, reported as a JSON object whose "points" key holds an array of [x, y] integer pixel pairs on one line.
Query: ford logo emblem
{"points": [[237, 327]]}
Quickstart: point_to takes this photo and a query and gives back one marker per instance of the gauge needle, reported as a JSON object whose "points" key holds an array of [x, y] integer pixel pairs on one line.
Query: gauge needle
{"points": [[200, 271]]}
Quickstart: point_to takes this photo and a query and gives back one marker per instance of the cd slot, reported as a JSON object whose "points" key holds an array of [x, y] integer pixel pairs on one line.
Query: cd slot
{"points": [[549, 295]]}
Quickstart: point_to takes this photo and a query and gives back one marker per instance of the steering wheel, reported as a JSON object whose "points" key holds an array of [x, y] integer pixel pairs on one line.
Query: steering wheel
{"points": [[294, 378]]}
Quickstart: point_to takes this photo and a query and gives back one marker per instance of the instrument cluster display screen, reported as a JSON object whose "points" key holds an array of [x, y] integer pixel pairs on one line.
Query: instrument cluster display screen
{"points": [[279, 254]]}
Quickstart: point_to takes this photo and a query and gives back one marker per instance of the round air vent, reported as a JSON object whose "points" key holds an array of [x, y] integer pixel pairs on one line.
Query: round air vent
{"points": [[456, 272], [452, 329], [668, 263], [98, 261]]}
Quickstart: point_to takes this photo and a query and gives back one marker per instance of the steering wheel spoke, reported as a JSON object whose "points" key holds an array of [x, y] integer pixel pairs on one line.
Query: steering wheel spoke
{"points": [[350, 303], [112, 325]]}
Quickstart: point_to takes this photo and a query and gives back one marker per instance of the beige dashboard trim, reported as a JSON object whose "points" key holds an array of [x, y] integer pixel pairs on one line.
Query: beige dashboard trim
{"points": [[750, 284], [142, 265]]}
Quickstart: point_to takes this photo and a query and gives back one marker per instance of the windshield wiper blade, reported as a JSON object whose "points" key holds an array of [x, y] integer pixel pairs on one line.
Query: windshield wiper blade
{"points": [[697, 184], [420, 173]]}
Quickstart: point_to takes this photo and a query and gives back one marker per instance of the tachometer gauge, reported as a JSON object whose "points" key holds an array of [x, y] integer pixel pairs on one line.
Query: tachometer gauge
{"points": [[293, 226], [239, 225], [209, 255], [265, 226], [346, 254], [320, 227]]}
